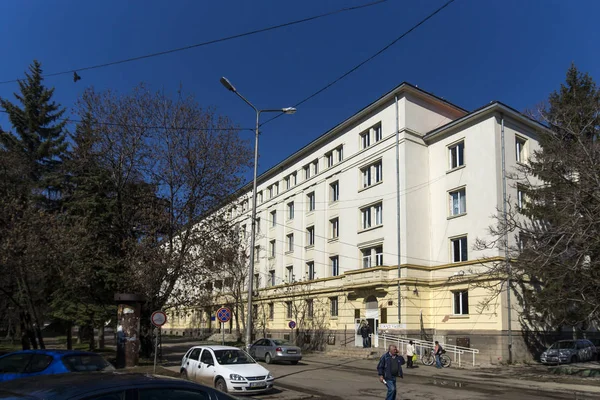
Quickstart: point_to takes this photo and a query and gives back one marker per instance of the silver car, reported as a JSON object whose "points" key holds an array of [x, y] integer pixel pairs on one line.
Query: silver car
{"points": [[569, 351], [272, 350]]}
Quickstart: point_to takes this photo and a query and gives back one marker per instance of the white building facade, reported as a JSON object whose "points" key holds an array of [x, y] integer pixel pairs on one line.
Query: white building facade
{"points": [[377, 219]]}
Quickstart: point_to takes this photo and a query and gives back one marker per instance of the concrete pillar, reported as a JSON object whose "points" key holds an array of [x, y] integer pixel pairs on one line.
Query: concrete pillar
{"points": [[128, 329]]}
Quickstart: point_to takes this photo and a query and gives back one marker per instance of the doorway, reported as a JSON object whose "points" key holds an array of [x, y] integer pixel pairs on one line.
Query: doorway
{"points": [[372, 314]]}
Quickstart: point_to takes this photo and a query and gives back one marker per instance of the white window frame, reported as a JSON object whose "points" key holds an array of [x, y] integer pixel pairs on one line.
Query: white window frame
{"points": [[521, 197], [372, 174], [287, 182], [273, 218], [340, 153], [271, 311], [310, 270], [257, 224], [288, 310], [371, 216], [520, 149], [335, 227], [333, 309], [463, 249], [290, 207], [334, 191], [458, 301], [377, 133], [315, 167], [335, 265], [310, 235], [365, 214], [365, 139], [290, 273], [257, 253], [272, 247], [272, 277], [310, 308], [306, 172], [290, 242], [456, 151], [311, 201], [259, 197], [330, 159], [460, 194]]}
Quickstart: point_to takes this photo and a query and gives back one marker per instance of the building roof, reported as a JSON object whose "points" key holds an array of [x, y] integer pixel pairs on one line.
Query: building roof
{"points": [[494, 106], [403, 87]]}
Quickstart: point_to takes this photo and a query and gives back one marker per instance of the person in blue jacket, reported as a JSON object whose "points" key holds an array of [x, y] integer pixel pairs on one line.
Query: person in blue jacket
{"points": [[390, 367]]}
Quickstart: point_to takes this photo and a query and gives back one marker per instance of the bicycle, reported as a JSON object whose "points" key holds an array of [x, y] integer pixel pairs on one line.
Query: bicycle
{"points": [[429, 359]]}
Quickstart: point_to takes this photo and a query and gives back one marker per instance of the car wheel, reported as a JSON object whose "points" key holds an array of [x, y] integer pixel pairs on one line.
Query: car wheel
{"points": [[183, 374], [573, 359], [268, 359], [295, 362], [221, 385]]}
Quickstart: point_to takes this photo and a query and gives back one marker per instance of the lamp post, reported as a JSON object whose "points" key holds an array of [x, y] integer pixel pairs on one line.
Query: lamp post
{"points": [[287, 110]]}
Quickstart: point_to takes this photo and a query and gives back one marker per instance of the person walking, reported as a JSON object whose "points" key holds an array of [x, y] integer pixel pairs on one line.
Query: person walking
{"points": [[437, 351], [410, 352], [364, 332], [388, 368]]}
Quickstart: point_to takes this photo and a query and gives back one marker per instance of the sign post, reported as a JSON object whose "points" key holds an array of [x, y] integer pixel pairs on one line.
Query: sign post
{"points": [[292, 325], [223, 315], [158, 318]]}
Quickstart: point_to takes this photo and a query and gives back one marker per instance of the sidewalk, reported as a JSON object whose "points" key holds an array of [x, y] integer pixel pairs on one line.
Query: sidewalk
{"points": [[525, 377]]}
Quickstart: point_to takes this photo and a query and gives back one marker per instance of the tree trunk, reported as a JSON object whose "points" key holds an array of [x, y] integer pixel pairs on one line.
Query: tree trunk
{"points": [[69, 336], [101, 336], [79, 333]]}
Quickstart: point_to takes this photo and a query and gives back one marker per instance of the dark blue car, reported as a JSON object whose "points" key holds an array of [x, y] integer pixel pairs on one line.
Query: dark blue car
{"points": [[26, 363]]}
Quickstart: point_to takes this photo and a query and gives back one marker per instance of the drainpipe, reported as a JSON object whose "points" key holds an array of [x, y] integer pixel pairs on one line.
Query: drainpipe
{"points": [[505, 239], [398, 207]]}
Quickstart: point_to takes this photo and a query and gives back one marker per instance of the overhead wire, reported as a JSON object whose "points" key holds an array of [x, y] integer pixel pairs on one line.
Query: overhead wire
{"points": [[209, 42]]}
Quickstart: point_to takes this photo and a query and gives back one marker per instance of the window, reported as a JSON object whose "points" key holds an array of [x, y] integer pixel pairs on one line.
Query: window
{"points": [[307, 171], [311, 201], [275, 189], [288, 309], [245, 205], [383, 315], [458, 203], [243, 231], [206, 358], [335, 265], [290, 181], [333, 301], [290, 207], [456, 154], [310, 270], [368, 212], [377, 133], [310, 236], [272, 277], [271, 311], [272, 249], [259, 197], [340, 153], [459, 249], [372, 174], [461, 303], [166, 393], [365, 139], [521, 197], [286, 180], [290, 242], [273, 218], [520, 149], [334, 191], [256, 281], [270, 191], [257, 224], [289, 271], [310, 308], [315, 166], [329, 157], [335, 228], [372, 257]]}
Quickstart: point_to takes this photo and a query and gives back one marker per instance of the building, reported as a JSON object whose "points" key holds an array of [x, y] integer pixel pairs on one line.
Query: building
{"points": [[377, 219]]}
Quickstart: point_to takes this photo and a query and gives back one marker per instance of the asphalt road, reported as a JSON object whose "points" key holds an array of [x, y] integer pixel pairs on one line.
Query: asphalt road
{"points": [[336, 379]]}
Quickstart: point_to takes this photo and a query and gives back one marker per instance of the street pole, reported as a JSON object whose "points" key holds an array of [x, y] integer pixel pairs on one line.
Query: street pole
{"points": [[288, 110], [156, 347]]}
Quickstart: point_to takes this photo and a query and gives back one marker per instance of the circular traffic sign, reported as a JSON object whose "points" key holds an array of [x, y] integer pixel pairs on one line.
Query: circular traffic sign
{"points": [[224, 314], [292, 324], [158, 318]]}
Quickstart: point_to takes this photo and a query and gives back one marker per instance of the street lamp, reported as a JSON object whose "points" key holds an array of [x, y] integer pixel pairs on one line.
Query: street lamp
{"points": [[288, 110]]}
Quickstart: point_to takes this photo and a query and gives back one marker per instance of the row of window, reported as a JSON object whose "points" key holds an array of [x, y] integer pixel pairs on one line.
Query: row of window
{"points": [[456, 152]]}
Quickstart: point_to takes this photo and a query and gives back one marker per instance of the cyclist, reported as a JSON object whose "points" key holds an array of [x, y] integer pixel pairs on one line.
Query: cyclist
{"points": [[438, 352]]}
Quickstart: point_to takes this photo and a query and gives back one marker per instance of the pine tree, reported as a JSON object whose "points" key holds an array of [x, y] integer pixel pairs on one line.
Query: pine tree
{"points": [[39, 137]]}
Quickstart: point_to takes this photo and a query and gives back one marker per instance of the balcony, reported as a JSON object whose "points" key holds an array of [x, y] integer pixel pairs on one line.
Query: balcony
{"points": [[366, 277]]}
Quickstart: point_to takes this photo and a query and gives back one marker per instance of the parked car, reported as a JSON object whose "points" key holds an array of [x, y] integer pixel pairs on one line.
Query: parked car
{"points": [[27, 363], [596, 342], [569, 351], [272, 350], [227, 368], [110, 385]]}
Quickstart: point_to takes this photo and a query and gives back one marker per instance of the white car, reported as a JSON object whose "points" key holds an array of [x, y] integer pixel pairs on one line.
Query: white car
{"points": [[227, 368]]}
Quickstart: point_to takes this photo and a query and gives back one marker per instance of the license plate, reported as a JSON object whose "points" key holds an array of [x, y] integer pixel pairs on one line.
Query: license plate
{"points": [[257, 384], [291, 351]]}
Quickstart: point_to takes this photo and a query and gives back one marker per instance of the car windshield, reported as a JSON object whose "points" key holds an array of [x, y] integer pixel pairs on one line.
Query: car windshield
{"points": [[568, 344], [86, 362], [280, 342], [228, 357]]}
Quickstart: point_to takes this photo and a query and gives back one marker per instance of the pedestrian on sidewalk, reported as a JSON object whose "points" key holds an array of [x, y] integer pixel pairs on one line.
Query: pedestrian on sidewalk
{"points": [[437, 351], [410, 352], [365, 330], [390, 367]]}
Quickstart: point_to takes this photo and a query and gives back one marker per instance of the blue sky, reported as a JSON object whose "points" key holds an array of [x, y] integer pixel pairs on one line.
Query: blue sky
{"points": [[473, 52]]}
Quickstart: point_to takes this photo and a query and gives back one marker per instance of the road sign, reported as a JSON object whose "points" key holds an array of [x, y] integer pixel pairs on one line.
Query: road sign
{"points": [[159, 318], [224, 314], [292, 324]]}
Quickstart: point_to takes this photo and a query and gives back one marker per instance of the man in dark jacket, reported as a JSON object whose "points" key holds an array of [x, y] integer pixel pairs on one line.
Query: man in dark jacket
{"points": [[389, 367], [365, 331]]}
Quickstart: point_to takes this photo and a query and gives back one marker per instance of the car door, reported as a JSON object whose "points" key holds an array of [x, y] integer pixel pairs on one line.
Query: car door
{"points": [[207, 370], [262, 348], [255, 350], [191, 364], [269, 347]]}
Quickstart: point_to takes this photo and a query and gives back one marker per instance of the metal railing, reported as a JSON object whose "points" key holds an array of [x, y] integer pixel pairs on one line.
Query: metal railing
{"points": [[423, 346]]}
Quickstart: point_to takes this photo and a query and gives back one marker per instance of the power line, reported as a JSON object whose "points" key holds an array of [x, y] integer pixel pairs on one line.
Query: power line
{"points": [[224, 39], [356, 67]]}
